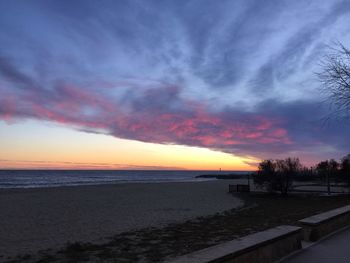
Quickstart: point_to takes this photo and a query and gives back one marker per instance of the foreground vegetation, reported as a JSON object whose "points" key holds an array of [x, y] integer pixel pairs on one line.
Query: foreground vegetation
{"points": [[157, 244]]}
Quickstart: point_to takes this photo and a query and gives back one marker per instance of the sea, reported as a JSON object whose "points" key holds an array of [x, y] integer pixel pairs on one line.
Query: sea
{"points": [[56, 178]]}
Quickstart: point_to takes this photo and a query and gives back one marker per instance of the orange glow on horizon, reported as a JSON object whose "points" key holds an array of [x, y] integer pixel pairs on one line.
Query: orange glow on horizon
{"points": [[59, 147]]}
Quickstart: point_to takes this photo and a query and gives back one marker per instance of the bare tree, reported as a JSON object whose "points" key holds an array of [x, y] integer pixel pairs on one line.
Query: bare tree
{"points": [[335, 77], [277, 175]]}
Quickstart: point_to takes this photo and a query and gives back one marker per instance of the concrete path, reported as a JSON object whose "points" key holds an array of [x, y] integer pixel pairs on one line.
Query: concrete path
{"points": [[336, 248]]}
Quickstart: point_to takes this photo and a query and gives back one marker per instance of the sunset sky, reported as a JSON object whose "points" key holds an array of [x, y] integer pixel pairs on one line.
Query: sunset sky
{"points": [[167, 84]]}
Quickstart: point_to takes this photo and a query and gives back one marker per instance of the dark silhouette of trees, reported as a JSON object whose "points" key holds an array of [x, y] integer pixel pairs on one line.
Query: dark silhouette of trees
{"points": [[327, 169], [345, 164], [335, 78], [265, 177], [339, 172], [345, 168], [277, 175], [306, 174]]}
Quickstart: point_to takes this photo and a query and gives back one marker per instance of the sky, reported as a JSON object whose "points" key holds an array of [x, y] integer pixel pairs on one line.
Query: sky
{"points": [[192, 84]]}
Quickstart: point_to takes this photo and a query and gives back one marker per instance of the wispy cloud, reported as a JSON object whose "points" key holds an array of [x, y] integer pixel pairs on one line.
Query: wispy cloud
{"points": [[235, 76]]}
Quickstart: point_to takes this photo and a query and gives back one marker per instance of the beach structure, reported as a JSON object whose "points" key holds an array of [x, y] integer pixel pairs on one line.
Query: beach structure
{"points": [[276, 244]]}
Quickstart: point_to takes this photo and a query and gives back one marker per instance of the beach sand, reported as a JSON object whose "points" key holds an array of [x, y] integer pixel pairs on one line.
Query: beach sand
{"points": [[43, 218]]}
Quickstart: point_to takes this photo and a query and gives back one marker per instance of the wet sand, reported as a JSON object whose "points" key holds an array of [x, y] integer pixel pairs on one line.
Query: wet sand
{"points": [[43, 218]]}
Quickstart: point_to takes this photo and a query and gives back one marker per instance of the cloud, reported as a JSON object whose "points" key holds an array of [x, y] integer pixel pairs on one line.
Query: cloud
{"points": [[235, 76], [159, 114]]}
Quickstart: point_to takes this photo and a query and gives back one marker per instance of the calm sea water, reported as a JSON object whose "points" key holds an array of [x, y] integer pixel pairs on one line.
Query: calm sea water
{"points": [[52, 178]]}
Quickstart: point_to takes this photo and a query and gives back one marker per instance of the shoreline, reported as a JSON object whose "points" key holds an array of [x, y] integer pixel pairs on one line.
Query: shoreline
{"points": [[195, 180], [58, 178], [34, 219]]}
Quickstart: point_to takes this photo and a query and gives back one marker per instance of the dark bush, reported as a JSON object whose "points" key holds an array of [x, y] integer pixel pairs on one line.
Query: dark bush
{"points": [[277, 175]]}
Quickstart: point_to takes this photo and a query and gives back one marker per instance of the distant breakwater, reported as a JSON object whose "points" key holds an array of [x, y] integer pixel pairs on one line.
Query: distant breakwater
{"points": [[226, 176]]}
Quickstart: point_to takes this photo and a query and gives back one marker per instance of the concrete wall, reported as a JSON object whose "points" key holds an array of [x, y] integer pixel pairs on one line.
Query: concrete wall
{"points": [[315, 227], [272, 244], [262, 247]]}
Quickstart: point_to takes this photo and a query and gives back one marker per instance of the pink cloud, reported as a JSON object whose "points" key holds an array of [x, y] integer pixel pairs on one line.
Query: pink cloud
{"points": [[155, 115]]}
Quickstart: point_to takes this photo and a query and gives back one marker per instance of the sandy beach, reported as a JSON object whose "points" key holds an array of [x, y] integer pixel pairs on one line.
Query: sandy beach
{"points": [[44, 218]]}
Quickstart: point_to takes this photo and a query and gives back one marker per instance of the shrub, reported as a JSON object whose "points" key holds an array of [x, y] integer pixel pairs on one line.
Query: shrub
{"points": [[277, 175]]}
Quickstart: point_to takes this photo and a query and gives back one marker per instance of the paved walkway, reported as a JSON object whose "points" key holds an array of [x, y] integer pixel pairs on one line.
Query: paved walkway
{"points": [[336, 248]]}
